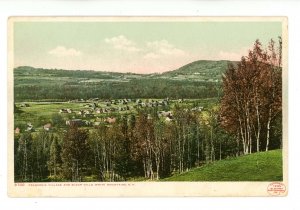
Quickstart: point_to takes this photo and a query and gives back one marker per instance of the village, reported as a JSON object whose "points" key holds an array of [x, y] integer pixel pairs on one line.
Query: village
{"points": [[95, 112]]}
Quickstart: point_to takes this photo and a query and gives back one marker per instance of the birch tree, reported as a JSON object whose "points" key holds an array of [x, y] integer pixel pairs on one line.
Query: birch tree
{"points": [[252, 96]]}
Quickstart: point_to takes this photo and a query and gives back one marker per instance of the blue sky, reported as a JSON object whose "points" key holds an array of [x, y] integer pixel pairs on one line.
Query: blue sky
{"points": [[140, 47]]}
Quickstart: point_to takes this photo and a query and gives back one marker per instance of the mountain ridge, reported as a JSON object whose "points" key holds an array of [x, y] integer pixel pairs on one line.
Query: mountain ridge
{"points": [[199, 79], [187, 67]]}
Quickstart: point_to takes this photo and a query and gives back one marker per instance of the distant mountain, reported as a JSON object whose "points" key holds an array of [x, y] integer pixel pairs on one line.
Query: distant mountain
{"points": [[199, 79], [202, 70]]}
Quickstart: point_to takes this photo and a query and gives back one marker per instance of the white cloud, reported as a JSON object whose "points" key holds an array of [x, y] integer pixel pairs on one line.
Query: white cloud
{"points": [[61, 51], [150, 50], [145, 56], [233, 55], [162, 48], [122, 43]]}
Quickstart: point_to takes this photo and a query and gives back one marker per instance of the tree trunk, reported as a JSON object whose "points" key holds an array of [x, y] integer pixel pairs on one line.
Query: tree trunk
{"points": [[258, 129], [198, 147], [220, 150], [157, 167], [268, 129], [212, 147], [25, 161]]}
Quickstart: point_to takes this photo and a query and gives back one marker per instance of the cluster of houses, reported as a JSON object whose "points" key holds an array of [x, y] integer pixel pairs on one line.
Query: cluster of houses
{"points": [[152, 103], [115, 102], [80, 122], [30, 128], [92, 107], [92, 112], [86, 113], [109, 106], [167, 115], [65, 111], [199, 109], [139, 102], [71, 122], [24, 105]]}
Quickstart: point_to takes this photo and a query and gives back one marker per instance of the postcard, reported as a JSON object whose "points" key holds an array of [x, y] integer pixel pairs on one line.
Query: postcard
{"points": [[147, 106]]}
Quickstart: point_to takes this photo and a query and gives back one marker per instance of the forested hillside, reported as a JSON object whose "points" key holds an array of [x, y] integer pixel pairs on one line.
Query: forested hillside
{"points": [[202, 70], [200, 79]]}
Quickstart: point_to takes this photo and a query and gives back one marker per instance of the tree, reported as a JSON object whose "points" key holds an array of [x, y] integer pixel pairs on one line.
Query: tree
{"points": [[97, 143], [40, 154], [158, 145], [211, 129], [144, 137], [274, 84], [124, 163], [54, 163], [75, 154], [186, 138], [252, 96], [25, 156]]}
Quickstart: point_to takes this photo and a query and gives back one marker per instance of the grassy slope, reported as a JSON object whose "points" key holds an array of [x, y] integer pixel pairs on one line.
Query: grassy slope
{"points": [[263, 166]]}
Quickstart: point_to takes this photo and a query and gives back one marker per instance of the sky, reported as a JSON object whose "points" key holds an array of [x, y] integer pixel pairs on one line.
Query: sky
{"points": [[139, 47]]}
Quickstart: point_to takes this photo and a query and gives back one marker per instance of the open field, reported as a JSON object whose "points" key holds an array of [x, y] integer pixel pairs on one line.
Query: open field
{"points": [[262, 166]]}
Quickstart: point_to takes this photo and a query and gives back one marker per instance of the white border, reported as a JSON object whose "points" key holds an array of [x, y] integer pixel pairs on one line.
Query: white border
{"points": [[190, 8], [142, 188]]}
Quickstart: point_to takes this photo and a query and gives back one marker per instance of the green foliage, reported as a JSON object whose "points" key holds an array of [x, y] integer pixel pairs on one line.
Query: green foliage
{"points": [[263, 166], [124, 164], [92, 178], [75, 154], [17, 109], [24, 158], [202, 70], [57, 178], [134, 146], [40, 148], [57, 120], [55, 161]]}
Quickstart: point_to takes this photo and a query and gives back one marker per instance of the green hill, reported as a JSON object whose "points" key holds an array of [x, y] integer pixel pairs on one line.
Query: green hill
{"points": [[263, 166], [202, 70]]}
